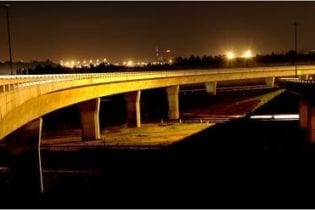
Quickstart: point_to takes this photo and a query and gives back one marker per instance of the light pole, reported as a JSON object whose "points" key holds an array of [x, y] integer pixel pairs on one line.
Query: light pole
{"points": [[295, 47], [9, 36]]}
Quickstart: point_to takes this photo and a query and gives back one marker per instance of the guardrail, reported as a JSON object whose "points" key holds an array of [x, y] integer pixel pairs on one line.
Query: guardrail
{"points": [[25, 87], [9, 82]]}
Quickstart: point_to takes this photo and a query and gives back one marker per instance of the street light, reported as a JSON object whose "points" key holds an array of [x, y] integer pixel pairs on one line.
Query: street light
{"points": [[247, 55], [230, 56], [295, 47], [7, 6]]}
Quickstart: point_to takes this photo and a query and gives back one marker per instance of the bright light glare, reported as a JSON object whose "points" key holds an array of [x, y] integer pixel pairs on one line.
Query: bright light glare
{"points": [[261, 117], [299, 72], [286, 116], [230, 55], [130, 63], [247, 54], [277, 117]]}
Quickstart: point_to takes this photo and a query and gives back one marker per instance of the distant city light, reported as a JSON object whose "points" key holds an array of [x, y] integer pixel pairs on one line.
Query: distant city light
{"points": [[130, 63], [230, 55], [170, 61], [299, 72], [261, 117], [287, 116], [168, 50], [247, 54], [276, 117]]}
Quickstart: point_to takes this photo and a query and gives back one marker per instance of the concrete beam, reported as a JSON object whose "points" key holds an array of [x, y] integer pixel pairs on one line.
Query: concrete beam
{"points": [[211, 88], [23, 149], [89, 114], [303, 112], [270, 82], [132, 100], [173, 103]]}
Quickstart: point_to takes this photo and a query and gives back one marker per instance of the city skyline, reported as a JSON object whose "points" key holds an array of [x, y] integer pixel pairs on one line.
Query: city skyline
{"points": [[122, 31]]}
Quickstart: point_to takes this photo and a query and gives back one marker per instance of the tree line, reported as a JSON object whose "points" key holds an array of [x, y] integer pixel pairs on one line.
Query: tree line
{"points": [[191, 62]]}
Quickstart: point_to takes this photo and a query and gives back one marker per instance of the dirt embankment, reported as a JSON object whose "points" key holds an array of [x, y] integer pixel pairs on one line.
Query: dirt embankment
{"points": [[236, 104]]}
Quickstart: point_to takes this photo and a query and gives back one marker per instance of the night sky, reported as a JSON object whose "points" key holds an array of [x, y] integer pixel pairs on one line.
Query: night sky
{"points": [[132, 30]]}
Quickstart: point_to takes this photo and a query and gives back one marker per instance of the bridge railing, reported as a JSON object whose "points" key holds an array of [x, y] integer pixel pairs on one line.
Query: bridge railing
{"points": [[30, 86], [27, 80]]}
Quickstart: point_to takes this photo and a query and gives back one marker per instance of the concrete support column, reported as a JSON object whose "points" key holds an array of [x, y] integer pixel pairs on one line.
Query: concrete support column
{"points": [[211, 88], [305, 77], [311, 124], [303, 112], [173, 103], [270, 82], [89, 114], [23, 150], [132, 100]]}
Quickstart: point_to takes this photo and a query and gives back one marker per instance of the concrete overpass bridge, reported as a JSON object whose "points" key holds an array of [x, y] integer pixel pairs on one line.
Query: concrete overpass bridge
{"points": [[24, 99]]}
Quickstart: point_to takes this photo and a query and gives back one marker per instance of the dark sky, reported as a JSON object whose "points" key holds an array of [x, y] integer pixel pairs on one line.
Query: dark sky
{"points": [[132, 30]]}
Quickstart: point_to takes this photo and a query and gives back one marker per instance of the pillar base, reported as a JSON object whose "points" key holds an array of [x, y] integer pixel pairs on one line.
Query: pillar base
{"points": [[311, 125], [270, 82], [132, 100], [89, 114], [173, 104], [303, 112], [211, 88]]}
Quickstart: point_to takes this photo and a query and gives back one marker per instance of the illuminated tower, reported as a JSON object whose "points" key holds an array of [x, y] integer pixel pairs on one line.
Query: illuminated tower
{"points": [[157, 54], [168, 56]]}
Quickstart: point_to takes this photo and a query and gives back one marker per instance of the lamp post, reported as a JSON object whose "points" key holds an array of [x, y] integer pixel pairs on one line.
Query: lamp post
{"points": [[7, 6], [295, 47]]}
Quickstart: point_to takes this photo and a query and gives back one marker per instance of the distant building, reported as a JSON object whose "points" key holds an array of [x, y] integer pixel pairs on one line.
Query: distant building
{"points": [[163, 56]]}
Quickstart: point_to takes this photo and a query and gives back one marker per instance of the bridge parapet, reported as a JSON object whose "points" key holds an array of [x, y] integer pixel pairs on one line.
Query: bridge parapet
{"points": [[40, 92]]}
